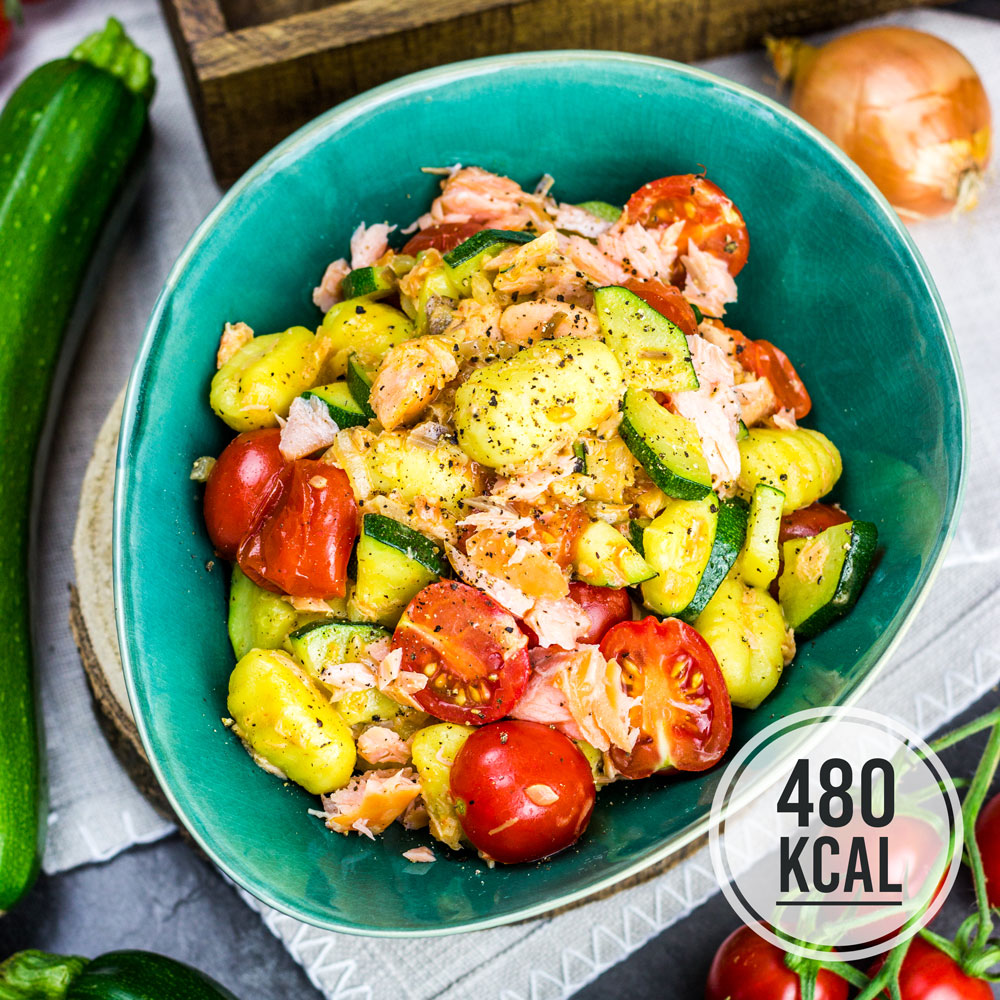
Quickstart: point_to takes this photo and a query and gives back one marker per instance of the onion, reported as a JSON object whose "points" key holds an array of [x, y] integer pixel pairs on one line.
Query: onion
{"points": [[907, 107]]}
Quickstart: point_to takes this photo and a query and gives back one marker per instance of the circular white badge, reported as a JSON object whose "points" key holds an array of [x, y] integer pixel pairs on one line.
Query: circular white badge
{"points": [[853, 844]]}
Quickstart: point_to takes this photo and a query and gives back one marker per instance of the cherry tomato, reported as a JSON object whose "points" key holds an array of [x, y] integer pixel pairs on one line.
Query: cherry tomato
{"points": [[5, 32], [809, 521], [929, 974], [746, 967], [686, 717], [523, 791], [604, 607], [471, 649], [244, 476], [767, 361], [711, 220], [668, 301], [988, 838], [302, 544], [444, 236]]}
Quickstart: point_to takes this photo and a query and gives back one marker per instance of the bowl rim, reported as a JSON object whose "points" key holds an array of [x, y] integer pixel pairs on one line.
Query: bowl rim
{"points": [[338, 116]]}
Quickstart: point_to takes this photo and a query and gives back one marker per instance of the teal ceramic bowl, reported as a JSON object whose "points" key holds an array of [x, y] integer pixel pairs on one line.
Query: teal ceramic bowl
{"points": [[833, 278]]}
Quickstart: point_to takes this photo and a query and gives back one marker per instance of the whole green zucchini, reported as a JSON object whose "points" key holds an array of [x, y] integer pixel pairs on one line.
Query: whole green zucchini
{"points": [[118, 975], [67, 137]]}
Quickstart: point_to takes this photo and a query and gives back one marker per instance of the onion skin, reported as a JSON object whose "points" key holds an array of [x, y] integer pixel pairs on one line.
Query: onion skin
{"points": [[907, 107]]}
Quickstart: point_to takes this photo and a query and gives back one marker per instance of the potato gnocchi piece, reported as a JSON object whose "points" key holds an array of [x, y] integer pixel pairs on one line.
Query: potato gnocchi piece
{"points": [[804, 464], [287, 724], [360, 326], [258, 383], [526, 407], [746, 630]]}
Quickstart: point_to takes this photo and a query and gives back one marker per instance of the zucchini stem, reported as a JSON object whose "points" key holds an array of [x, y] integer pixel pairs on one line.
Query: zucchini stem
{"points": [[112, 50]]}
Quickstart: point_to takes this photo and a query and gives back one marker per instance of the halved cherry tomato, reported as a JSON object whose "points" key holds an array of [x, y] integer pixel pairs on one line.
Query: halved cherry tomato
{"points": [[604, 607], [523, 791], [928, 973], [444, 236], [767, 361], [303, 543], [472, 651], [988, 838], [241, 480], [686, 720], [809, 521], [711, 220], [746, 967], [668, 301]]}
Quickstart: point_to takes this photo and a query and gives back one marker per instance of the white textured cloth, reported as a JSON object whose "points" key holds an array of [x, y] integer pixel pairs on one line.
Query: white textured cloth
{"points": [[944, 663]]}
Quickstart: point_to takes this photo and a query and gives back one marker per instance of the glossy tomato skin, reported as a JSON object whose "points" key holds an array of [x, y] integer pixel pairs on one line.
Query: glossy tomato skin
{"points": [[302, 544], [988, 838], [765, 360], [746, 967], [929, 974], [239, 483], [668, 301], [686, 715], [711, 219], [472, 650], [444, 236], [604, 607], [810, 521], [523, 791]]}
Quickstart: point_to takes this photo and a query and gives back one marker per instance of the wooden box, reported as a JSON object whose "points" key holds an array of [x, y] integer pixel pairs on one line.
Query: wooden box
{"points": [[258, 69]]}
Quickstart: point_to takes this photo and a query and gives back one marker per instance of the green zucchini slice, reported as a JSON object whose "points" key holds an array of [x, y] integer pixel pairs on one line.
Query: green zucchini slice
{"points": [[341, 403], [468, 257], [666, 445], [323, 644], [370, 282], [359, 382], [761, 556], [824, 575], [653, 352], [604, 557], [394, 564], [609, 213]]}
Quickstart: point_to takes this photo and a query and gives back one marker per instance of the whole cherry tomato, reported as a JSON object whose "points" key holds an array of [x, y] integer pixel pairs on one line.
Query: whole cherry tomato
{"points": [[686, 717], [523, 791], [711, 220], [245, 475], [809, 521], [668, 301], [765, 360], [444, 236], [746, 967], [988, 838], [302, 544], [472, 651], [604, 606], [929, 974]]}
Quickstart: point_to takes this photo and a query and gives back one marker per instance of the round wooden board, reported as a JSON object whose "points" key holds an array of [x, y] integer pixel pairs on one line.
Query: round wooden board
{"points": [[92, 620]]}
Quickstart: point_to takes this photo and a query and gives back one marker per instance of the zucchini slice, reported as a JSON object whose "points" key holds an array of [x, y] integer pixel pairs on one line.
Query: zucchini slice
{"points": [[605, 558], [370, 282], [824, 575], [609, 213], [468, 257], [580, 454], [635, 529], [692, 545], [653, 351], [341, 403], [666, 445], [322, 644], [359, 382], [761, 556], [394, 564]]}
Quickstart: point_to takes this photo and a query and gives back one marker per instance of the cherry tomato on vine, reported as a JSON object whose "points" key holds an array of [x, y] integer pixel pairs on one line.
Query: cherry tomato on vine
{"points": [[471, 649], [668, 301], [988, 838], [711, 220], [604, 606], [929, 974], [444, 236], [244, 477], [523, 791], [686, 718], [302, 544], [746, 967]]}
